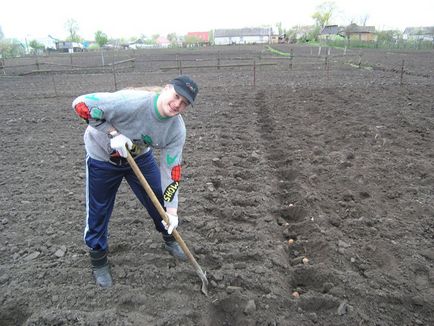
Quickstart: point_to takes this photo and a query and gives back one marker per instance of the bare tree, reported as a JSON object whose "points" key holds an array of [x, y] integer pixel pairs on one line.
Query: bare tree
{"points": [[72, 28], [364, 19]]}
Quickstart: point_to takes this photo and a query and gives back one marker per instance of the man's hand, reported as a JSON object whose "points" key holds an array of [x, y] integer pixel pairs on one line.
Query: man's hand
{"points": [[173, 223], [120, 143]]}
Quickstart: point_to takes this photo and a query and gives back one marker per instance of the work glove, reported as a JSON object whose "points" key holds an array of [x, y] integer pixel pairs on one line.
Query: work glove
{"points": [[173, 223], [120, 143]]}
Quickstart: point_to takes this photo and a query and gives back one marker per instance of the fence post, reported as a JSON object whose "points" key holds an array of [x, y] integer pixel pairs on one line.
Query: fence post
{"points": [[70, 59], [254, 73], [2, 64], [114, 71], [179, 64], [54, 85], [291, 55], [345, 50], [218, 60], [319, 51], [37, 63], [402, 72], [360, 60]]}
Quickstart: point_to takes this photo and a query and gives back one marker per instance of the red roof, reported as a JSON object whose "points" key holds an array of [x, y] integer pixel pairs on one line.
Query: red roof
{"points": [[204, 36]]}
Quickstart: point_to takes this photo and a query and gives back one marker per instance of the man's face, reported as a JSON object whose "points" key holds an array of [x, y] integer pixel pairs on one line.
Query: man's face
{"points": [[172, 103]]}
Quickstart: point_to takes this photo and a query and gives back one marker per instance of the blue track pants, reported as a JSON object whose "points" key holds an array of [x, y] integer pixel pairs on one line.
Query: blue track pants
{"points": [[102, 182]]}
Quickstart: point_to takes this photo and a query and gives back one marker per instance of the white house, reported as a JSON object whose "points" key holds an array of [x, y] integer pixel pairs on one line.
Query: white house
{"points": [[419, 33], [243, 36]]}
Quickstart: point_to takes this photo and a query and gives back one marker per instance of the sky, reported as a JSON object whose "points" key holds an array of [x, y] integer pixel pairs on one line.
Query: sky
{"points": [[32, 19]]}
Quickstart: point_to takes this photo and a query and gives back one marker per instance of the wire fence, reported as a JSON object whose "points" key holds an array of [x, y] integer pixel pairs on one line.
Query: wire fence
{"points": [[65, 74]]}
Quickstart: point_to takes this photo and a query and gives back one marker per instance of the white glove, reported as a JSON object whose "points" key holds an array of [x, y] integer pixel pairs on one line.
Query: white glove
{"points": [[173, 223], [120, 143]]}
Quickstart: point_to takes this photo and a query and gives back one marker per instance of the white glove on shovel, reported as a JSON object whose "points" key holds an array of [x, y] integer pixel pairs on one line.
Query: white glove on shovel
{"points": [[173, 223], [120, 143]]}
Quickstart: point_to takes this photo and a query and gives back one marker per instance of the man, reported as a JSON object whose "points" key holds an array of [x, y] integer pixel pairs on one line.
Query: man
{"points": [[134, 120]]}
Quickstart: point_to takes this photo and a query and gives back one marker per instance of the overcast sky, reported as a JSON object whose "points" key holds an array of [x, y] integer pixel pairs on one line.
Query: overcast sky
{"points": [[130, 18]]}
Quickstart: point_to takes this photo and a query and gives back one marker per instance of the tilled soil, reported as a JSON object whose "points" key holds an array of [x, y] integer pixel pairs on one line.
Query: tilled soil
{"points": [[338, 161]]}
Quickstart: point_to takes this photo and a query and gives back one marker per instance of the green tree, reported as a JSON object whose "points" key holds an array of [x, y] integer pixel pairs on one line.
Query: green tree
{"points": [[191, 39], [389, 36], [101, 38], [1, 34], [322, 17], [10, 48], [172, 37], [36, 46], [72, 28], [324, 14], [280, 29], [211, 36]]}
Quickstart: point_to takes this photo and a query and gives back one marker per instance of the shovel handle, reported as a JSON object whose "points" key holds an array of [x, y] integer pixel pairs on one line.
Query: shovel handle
{"points": [[163, 215]]}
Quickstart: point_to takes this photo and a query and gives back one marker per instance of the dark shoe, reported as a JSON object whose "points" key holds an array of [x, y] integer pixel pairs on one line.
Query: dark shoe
{"points": [[101, 268], [172, 246]]}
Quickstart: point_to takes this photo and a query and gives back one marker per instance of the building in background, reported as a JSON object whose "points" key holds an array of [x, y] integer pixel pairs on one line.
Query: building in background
{"points": [[201, 38], [354, 32], [419, 34], [243, 36], [331, 33], [65, 46]]}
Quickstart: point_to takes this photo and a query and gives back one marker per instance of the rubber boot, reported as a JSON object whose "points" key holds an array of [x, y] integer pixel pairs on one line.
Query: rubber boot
{"points": [[101, 268], [172, 246]]}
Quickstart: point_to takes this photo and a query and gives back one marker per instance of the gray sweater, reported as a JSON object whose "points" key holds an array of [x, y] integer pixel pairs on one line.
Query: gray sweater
{"points": [[134, 114]]}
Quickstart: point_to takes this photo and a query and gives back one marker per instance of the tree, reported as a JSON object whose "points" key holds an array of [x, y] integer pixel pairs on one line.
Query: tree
{"points": [[101, 38], [192, 39], [322, 17], [36, 46], [389, 36], [10, 48], [1, 34], [72, 28], [323, 14], [364, 19], [173, 38], [280, 29]]}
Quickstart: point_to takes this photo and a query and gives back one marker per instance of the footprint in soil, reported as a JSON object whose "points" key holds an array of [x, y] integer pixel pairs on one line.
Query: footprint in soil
{"points": [[228, 311], [291, 213]]}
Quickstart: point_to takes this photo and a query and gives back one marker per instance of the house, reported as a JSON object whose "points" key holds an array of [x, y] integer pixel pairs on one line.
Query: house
{"points": [[243, 36], [138, 44], [162, 42], [201, 37], [301, 33], [355, 32], [331, 33], [419, 34], [48, 43], [64, 46], [275, 39]]}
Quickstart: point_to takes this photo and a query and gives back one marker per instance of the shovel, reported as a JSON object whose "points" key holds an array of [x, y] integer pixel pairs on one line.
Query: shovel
{"points": [[175, 233]]}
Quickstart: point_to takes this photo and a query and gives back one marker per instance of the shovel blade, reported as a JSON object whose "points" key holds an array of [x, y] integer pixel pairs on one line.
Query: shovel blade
{"points": [[204, 288]]}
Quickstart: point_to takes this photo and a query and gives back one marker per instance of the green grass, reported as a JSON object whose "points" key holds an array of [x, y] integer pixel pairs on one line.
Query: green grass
{"points": [[285, 54]]}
